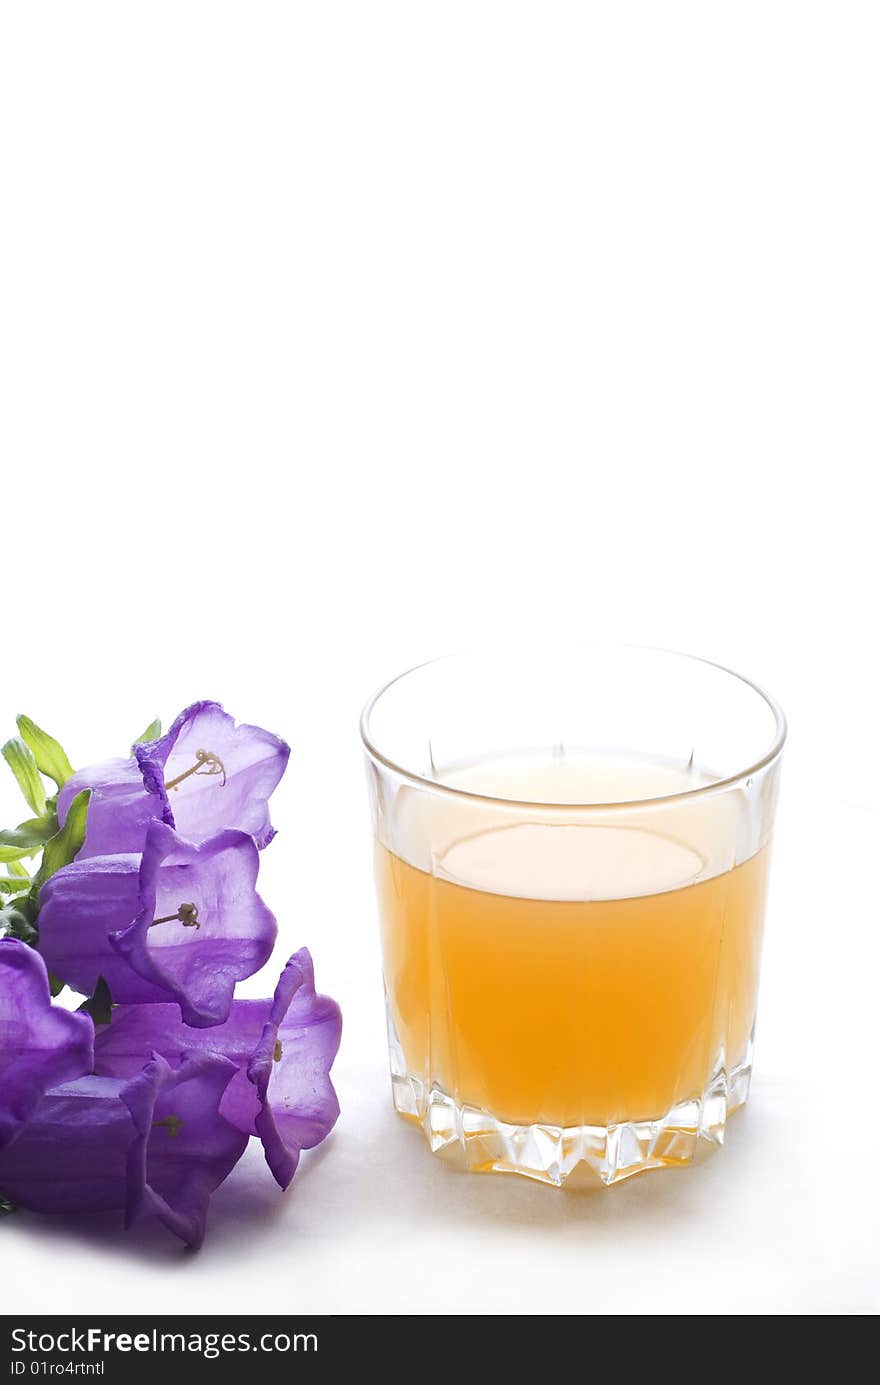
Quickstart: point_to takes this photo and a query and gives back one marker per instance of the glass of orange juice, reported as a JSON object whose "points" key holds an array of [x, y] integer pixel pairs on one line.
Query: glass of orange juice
{"points": [[571, 853]]}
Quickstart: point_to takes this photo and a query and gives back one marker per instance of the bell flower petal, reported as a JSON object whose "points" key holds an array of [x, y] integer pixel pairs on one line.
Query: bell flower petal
{"points": [[283, 1049], [204, 774], [183, 922], [80, 906], [120, 809], [172, 1174], [155, 1144], [208, 773], [41, 1044]]}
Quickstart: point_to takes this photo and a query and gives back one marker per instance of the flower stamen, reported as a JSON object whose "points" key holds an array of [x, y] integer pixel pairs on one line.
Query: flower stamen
{"points": [[206, 763], [187, 914], [173, 1124], [277, 1051]]}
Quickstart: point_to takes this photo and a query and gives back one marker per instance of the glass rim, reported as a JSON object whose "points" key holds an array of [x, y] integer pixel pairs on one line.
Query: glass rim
{"points": [[685, 795]]}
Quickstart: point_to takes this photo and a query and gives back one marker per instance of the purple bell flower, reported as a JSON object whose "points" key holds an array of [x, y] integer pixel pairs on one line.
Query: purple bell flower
{"points": [[41, 1044], [120, 810], [155, 1144], [183, 922], [204, 774], [283, 1049]]}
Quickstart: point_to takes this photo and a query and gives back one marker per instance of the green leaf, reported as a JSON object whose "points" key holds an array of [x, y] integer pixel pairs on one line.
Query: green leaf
{"points": [[6, 1207], [62, 848], [16, 921], [20, 760], [27, 838], [16, 868], [10, 854], [48, 754], [30, 835], [14, 884], [99, 1003], [152, 733], [56, 985]]}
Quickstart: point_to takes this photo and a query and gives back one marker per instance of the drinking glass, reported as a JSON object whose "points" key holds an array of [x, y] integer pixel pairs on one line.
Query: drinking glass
{"points": [[571, 855]]}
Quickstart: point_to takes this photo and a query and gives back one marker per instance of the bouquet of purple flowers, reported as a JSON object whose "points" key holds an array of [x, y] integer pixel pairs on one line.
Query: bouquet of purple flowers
{"points": [[145, 902]]}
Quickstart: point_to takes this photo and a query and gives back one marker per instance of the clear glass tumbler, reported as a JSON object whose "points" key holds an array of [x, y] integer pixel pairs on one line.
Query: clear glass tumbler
{"points": [[571, 860]]}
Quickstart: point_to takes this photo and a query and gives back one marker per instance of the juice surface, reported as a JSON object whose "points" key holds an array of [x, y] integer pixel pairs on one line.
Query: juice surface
{"points": [[572, 974]]}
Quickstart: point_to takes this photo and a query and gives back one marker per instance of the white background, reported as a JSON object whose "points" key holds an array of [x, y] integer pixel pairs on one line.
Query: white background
{"points": [[336, 336]]}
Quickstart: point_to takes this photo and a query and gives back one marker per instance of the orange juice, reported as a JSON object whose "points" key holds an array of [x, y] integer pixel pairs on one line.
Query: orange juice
{"points": [[581, 974]]}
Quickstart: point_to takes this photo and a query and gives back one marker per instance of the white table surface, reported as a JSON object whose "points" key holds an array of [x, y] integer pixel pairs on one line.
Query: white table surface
{"points": [[783, 1219]]}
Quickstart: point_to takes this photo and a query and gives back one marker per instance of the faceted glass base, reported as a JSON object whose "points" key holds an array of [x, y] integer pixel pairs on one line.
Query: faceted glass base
{"points": [[474, 1140]]}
